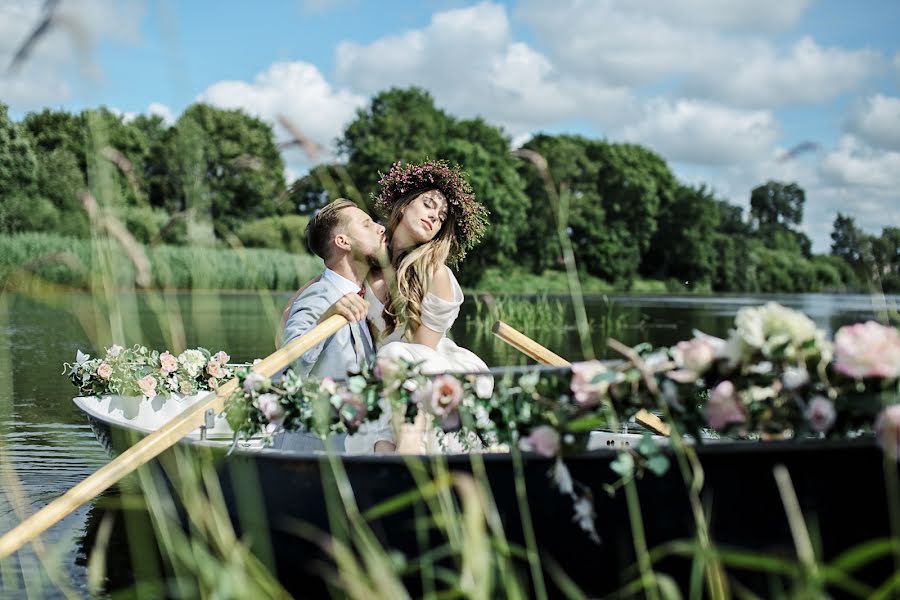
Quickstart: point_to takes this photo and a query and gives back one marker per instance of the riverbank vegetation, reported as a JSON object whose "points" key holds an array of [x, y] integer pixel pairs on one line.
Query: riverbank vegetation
{"points": [[215, 180]]}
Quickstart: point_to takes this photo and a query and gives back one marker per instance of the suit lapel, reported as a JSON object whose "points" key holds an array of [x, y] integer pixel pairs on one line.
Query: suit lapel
{"points": [[356, 343]]}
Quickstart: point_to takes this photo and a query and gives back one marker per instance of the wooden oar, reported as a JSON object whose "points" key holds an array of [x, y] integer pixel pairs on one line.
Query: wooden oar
{"points": [[158, 441], [532, 349]]}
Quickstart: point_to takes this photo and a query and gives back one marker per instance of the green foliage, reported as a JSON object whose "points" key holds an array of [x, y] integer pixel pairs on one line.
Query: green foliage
{"points": [[217, 174], [519, 281], [18, 163], [286, 233], [320, 186], [399, 124], [227, 166], [19, 212], [681, 247], [144, 223], [777, 203], [72, 262]]}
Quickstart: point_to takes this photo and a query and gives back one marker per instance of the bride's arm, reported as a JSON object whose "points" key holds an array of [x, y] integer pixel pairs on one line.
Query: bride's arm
{"points": [[443, 289]]}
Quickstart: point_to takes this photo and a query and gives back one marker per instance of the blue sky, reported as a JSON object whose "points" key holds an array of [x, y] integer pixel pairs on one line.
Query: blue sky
{"points": [[720, 88]]}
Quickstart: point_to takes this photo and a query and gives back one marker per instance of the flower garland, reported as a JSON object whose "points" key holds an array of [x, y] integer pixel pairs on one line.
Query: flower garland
{"points": [[137, 371], [775, 376]]}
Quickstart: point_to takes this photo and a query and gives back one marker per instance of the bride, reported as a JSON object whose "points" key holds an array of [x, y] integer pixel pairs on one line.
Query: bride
{"points": [[432, 220]]}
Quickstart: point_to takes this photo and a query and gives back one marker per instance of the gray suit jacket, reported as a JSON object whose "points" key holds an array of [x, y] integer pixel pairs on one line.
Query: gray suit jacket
{"points": [[342, 352]]}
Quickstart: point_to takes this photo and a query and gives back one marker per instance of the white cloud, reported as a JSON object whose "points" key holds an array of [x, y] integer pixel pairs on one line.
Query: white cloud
{"points": [[762, 15], [60, 62], [468, 60], [854, 163], [161, 110], [690, 44], [807, 75], [298, 91], [876, 120], [701, 132]]}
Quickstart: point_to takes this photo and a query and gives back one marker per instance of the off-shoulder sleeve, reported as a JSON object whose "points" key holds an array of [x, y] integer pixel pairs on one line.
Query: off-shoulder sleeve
{"points": [[439, 314]]}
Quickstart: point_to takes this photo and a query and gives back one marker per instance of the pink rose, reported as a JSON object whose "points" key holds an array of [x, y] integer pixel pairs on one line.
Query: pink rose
{"points": [[445, 395], [213, 383], [104, 371], [695, 355], [221, 358], [214, 369], [114, 351], [270, 407], [821, 414], [723, 407], [385, 368], [353, 410], [586, 391], [867, 350], [256, 383], [168, 363], [147, 385], [329, 386], [544, 440], [887, 429]]}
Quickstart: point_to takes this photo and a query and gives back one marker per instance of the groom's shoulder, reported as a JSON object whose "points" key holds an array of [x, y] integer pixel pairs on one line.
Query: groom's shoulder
{"points": [[316, 293]]}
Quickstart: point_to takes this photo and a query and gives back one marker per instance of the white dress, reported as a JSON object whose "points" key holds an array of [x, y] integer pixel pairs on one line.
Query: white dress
{"points": [[438, 315]]}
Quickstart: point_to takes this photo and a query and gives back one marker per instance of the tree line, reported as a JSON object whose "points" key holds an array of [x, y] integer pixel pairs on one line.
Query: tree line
{"points": [[216, 177]]}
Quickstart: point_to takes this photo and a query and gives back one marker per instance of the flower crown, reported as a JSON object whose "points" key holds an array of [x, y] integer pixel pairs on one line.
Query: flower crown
{"points": [[470, 216]]}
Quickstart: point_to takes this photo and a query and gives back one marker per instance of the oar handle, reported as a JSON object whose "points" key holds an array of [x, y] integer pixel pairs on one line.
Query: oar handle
{"points": [[532, 349], [157, 442]]}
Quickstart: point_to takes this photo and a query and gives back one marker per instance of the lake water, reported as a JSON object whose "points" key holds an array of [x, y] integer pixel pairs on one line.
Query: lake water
{"points": [[46, 445]]}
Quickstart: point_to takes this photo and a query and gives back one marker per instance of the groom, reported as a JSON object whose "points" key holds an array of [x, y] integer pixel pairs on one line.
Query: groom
{"points": [[350, 243]]}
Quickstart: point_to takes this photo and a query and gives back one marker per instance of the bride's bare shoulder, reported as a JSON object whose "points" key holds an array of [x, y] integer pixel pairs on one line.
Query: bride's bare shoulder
{"points": [[442, 283]]}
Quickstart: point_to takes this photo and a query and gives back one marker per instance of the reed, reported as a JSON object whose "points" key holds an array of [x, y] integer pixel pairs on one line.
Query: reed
{"points": [[74, 262]]}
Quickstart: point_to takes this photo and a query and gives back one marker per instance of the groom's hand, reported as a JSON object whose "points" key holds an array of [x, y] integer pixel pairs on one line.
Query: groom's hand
{"points": [[350, 306]]}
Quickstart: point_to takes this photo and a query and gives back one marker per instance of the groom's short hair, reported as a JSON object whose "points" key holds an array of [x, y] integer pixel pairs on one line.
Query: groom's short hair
{"points": [[320, 230]]}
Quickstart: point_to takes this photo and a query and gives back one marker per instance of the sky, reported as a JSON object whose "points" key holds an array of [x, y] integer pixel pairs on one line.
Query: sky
{"points": [[731, 93]]}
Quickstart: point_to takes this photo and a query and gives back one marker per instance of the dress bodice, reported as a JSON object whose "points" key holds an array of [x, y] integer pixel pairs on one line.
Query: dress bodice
{"points": [[437, 314]]}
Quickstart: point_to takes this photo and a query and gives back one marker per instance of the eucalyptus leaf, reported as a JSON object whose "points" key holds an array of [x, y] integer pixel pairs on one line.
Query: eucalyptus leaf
{"points": [[623, 464]]}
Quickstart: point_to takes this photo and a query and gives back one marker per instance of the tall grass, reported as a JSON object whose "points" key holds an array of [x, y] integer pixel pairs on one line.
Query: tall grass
{"points": [[73, 262]]}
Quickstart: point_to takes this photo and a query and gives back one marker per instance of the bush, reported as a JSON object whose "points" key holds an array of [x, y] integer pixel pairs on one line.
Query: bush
{"points": [[144, 223], [20, 213], [287, 233], [516, 281]]}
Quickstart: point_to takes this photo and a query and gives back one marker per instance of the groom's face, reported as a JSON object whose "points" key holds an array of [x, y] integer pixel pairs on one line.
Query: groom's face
{"points": [[366, 237]]}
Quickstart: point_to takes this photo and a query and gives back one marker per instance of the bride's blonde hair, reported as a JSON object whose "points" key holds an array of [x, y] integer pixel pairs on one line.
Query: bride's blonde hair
{"points": [[413, 269]]}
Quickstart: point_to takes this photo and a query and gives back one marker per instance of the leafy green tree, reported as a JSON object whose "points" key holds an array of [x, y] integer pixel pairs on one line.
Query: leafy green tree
{"points": [[399, 124], [571, 171], [60, 181], [776, 210], [635, 184], [51, 130], [682, 247], [849, 242], [323, 183], [20, 209], [18, 163], [160, 180], [227, 165], [777, 203]]}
